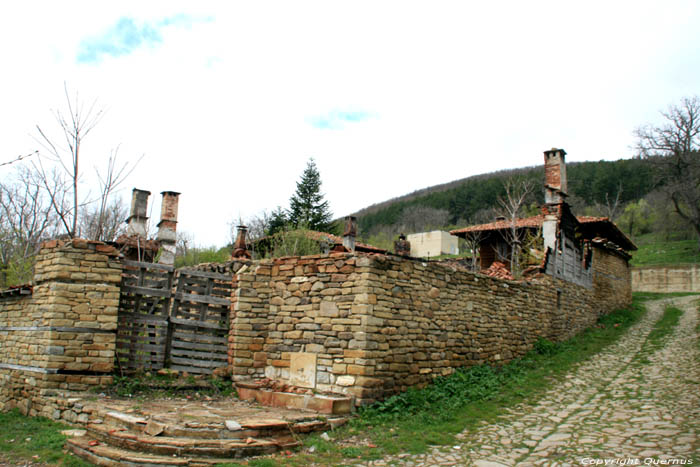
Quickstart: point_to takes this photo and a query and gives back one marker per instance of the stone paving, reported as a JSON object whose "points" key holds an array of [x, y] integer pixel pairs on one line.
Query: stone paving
{"points": [[627, 406]]}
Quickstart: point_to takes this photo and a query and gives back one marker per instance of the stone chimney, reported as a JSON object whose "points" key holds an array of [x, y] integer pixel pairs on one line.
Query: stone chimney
{"points": [[167, 227], [239, 247], [402, 246], [554, 193], [138, 216], [554, 176], [350, 233]]}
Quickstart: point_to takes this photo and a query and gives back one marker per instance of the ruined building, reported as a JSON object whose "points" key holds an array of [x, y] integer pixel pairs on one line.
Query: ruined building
{"points": [[354, 321]]}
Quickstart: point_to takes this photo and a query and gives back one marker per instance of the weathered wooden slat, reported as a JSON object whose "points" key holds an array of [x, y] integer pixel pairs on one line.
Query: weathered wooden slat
{"points": [[194, 362], [205, 274], [198, 324], [195, 354], [147, 291], [140, 264], [204, 338], [153, 349], [126, 318], [218, 348], [206, 299]]}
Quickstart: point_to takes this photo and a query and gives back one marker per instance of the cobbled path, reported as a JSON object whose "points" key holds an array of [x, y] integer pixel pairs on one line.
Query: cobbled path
{"points": [[624, 405]]}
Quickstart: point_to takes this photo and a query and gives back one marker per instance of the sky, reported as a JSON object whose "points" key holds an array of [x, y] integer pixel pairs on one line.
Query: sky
{"points": [[225, 102]]}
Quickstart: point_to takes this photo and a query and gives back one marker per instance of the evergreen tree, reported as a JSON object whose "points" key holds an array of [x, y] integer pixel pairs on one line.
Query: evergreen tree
{"points": [[307, 208]]}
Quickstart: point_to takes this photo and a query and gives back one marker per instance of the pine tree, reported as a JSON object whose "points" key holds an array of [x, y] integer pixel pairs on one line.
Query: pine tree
{"points": [[307, 208]]}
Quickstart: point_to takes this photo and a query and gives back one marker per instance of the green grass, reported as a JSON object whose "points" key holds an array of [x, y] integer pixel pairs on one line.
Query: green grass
{"points": [[36, 439], [655, 250]]}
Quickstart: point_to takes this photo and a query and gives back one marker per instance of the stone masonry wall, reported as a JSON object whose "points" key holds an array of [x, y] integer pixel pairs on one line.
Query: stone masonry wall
{"points": [[667, 278], [612, 281], [371, 326], [62, 337]]}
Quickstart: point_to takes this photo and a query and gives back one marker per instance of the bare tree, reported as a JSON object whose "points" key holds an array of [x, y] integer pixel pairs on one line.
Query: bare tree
{"points": [[674, 147], [26, 219], [61, 182], [472, 241], [517, 192], [612, 204]]}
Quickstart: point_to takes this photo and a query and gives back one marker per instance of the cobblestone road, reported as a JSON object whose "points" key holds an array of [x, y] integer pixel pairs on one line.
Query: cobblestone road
{"points": [[621, 405]]}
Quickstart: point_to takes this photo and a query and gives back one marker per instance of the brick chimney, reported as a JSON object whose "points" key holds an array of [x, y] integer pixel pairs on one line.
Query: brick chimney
{"points": [[402, 246], [350, 233], [167, 227], [138, 216], [554, 176], [239, 247]]}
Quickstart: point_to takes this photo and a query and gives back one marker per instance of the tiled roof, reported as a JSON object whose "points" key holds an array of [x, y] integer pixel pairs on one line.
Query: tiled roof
{"points": [[526, 222], [610, 230]]}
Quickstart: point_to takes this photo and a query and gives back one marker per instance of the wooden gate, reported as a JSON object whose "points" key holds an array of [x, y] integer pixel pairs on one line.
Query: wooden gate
{"points": [[199, 321], [144, 304], [176, 319]]}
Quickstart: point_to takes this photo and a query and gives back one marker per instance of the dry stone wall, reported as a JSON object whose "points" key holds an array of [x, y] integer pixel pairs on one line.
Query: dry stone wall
{"points": [[62, 337], [373, 325], [612, 281]]}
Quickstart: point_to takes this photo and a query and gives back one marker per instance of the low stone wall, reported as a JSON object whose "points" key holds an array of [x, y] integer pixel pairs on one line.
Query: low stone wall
{"points": [[666, 278], [62, 337], [370, 326]]}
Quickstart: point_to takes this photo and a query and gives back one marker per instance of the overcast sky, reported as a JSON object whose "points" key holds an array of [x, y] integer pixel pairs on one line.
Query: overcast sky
{"points": [[229, 100]]}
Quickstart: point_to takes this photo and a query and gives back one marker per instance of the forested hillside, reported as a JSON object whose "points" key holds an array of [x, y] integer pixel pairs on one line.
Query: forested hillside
{"points": [[625, 190]]}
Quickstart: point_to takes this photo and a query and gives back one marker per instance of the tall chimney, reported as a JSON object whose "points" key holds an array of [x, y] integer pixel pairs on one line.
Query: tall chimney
{"points": [[167, 227], [138, 215], [350, 233], [554, 176], [239, 247]]}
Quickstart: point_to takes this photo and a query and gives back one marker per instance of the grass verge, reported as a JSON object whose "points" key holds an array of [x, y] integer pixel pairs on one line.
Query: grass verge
{"points": [[35, 439], [418, 418]]}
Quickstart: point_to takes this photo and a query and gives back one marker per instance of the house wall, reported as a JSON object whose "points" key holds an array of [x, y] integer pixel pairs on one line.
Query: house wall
{"points": [[62, 337], [376, 325], [612, 277], [667, 278], [435, 243]]}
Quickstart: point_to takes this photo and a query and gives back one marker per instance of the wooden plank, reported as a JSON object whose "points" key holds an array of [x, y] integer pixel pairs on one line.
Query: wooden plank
{"points": [[198, 324], [153, 349], [194, 362], [199, 346], [126, 317], [141, 264], [146, 291], [182, 334], [198, 355], [206, 299], [205, 274]]}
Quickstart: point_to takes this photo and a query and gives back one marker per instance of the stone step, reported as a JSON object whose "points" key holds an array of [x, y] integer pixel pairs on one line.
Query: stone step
{"points": [[109, 456], [320, 403], [166, 445], [219, 430]]}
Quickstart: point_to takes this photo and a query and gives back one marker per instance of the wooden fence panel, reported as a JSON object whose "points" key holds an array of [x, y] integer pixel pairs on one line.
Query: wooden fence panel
{"points": [[144, 305], [199, 321]]}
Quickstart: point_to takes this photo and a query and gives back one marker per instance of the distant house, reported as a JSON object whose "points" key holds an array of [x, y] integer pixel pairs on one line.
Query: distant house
{"points": [[435, 243], [556, 241]]}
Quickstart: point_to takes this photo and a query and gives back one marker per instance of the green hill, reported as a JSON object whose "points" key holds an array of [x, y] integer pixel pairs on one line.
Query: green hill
{"points": [[464, 199]]}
